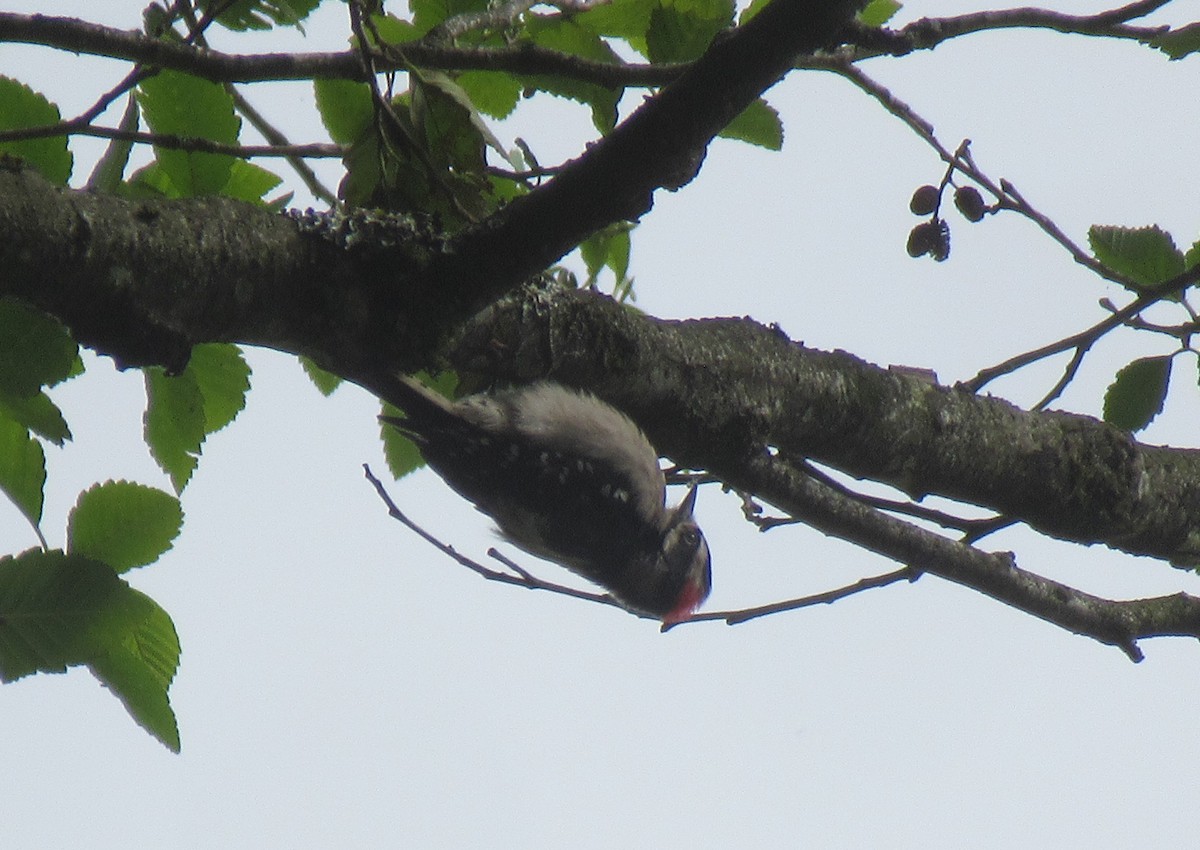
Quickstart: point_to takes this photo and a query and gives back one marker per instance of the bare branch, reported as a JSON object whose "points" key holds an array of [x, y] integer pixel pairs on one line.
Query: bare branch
{"points": [[734, 618], [523, 577], [82, 37], [928, 33], [317, 150]]}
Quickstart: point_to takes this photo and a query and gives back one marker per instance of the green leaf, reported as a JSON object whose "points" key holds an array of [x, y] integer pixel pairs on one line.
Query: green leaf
{"points": [[624, 19], [182, 105], [681, 30], [878, 12], [59, 611], [139, 664], [22, 469], [393, 30], [223, 378], [345, 108], [758, 124], [608, 247], [364, 175], [1192, 258], [1178, 42], [401, 453], [566, 36], [451, 127], [37, 413], [110, 168], [754, 7], [1146, 254], [21, 107], [182, 410], [123, 524], [35, 350], [260, 14], [427, 14], [174, 423], [1137, 395], [149, 181], [494, 93], [325, 382], [249, 182], [50, 607]]}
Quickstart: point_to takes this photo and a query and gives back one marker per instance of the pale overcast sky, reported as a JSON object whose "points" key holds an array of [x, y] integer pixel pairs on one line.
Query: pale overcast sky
{"points": [[344, 685]]}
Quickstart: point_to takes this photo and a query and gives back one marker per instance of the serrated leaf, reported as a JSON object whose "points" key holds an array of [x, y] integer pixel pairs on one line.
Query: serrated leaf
{"points": [[35, 350], [1178, 42], [249, 182], [59, 611], [681, 30], [49, 609], [1192, 258], [1137, 394], [625, 19], [179, 104], [752, 9], [22, 469], [139, 667], [401, 453], [364, 177], [427, 14], [454, 134], [21, 107], [393, 30], [758, 124], [878, 12], [242, 15], [325, 382], [123, 524], [223, 377], [182, 410], [149, 181], [1145, 254], [610, 248], [37, 413], [174, 423], [492, 92], [567, 36], [345, 108]]}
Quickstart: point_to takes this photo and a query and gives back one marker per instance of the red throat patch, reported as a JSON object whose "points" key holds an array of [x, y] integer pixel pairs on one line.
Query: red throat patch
{"points": [[689, 600]]}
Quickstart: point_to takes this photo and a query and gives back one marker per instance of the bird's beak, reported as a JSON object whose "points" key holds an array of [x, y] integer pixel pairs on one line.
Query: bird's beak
{"points": [[688, 504]]}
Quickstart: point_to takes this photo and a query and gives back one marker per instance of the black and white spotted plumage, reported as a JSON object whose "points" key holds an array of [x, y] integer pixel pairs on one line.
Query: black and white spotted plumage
{"points": [[569, 478]]}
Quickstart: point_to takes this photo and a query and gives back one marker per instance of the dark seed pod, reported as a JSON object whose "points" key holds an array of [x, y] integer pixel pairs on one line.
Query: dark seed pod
{"points": [[930, 237], [970, 203], [924, 200]]}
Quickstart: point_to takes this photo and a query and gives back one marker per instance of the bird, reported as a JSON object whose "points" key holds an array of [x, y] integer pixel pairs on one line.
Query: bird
{"points": [[569, 478]]}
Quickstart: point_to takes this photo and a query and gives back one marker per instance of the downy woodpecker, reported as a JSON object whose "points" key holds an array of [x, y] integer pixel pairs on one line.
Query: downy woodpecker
{"points": [[568, 478]]}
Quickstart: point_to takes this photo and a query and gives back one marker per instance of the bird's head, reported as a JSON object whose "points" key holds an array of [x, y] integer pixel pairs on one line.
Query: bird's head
{"points": [[685, 555]]}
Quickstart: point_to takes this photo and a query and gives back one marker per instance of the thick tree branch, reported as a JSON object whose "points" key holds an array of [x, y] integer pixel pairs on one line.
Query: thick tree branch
{"points": [[749, 387], [661, 145], [144, 281]]}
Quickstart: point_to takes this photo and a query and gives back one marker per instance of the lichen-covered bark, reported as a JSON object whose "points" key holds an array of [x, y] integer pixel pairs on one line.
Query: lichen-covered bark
{"points": [[720, 391]]}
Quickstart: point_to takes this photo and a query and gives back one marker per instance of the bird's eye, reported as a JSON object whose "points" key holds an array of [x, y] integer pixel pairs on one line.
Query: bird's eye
{"points": [[691, 537]]}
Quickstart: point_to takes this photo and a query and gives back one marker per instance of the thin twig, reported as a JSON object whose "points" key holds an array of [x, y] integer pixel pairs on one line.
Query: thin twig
{"points": [[169, 140], [828, 597], [523, 577]]}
